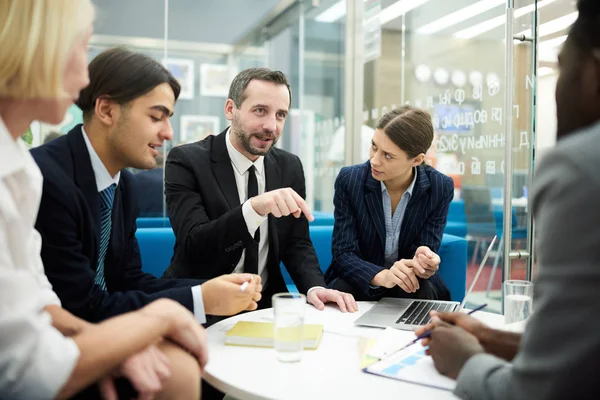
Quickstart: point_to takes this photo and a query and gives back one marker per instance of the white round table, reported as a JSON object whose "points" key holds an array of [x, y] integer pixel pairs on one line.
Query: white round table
{"points": [[330, 372]]}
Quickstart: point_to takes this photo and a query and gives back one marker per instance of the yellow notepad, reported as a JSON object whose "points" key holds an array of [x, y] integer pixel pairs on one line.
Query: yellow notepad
{"points": [[365, 344], [260, 334]]}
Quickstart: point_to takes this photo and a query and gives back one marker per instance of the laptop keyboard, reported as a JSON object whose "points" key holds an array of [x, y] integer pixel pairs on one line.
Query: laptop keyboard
{"points": [[418, 312]]}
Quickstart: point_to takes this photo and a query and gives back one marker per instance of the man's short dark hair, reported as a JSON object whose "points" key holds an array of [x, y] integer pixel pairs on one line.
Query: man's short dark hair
{"points": [[240, 82], [123, 75]]}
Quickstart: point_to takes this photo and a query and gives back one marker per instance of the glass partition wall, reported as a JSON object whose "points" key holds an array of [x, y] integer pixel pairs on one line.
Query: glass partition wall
{"points": [[353, 60], [196, 41], [310, 51], [349, 62], [452, 59]]}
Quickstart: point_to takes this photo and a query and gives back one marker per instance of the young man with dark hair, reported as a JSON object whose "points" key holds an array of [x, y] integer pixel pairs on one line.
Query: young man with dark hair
{"points": [[557, 356], [89, 203], [236, 201]]}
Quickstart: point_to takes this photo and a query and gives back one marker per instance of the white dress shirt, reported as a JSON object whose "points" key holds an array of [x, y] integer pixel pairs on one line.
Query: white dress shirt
{"points": [[36, 360], [104, 180], [254, 221]]}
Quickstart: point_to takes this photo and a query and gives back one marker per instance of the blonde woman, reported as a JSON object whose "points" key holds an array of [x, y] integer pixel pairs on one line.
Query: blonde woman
{"points": [[46, 352]]}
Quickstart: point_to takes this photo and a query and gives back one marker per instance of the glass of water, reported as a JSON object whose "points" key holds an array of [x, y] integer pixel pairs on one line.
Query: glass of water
{"points": [[289, 311], [518, 301]]}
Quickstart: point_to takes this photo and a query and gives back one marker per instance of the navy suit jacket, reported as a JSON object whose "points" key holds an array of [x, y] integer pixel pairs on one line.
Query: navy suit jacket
{"points": [[69, 223], [150, 186], [358, 244]]}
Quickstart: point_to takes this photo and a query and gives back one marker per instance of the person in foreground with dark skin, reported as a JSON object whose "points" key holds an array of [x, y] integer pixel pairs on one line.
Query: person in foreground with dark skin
{"points": [[557, 355]]}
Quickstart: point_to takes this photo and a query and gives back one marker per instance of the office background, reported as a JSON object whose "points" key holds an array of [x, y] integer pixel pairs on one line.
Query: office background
{"points": [[348, 62]]}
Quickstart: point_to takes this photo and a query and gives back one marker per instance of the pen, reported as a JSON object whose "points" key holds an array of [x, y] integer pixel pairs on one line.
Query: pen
{"points": [[428, 333], [244, 286]]}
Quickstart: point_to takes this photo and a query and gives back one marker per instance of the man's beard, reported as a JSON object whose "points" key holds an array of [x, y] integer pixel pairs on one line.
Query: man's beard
{"points": [[244, 139]]}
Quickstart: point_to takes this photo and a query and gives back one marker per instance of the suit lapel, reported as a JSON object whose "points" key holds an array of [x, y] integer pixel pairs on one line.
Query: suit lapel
{"points": [[223, 170], [374, 204], [86, 181], [422, 185]]}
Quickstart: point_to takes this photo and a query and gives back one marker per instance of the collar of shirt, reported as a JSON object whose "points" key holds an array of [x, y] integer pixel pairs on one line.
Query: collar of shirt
{"points": [[239, 161], [409, 190], [103, 178], [12, 153]]}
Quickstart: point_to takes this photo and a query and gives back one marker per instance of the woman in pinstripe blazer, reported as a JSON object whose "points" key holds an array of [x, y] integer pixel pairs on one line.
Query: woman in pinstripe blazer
{"points": [[390, 213]]}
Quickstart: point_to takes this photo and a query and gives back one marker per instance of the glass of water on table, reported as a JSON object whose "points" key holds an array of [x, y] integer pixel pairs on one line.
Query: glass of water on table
{"points": [[289, 309], [518, 301]]}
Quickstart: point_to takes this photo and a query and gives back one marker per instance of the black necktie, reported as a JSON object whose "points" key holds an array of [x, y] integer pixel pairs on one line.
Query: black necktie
{"points": [[251, 261]]}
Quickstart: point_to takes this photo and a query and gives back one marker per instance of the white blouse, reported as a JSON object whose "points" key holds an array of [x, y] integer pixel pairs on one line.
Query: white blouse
{"points": [[36, 360]]}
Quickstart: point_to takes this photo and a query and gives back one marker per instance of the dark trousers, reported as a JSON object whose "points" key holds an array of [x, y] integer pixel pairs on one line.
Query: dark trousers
{"points": [[428, 290]]}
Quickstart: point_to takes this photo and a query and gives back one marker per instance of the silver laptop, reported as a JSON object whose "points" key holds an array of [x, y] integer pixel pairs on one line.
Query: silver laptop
{"points": [[409, 314]]}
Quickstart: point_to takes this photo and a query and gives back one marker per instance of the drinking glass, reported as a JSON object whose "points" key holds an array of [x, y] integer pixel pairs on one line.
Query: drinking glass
{"points": [[289, 309], [518, 300]]}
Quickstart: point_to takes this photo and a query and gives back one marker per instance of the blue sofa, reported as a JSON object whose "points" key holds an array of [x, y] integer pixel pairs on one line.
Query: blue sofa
{"points": [[153, 222], [156, 248], [457, 222], [321, 218], [453, 253]]}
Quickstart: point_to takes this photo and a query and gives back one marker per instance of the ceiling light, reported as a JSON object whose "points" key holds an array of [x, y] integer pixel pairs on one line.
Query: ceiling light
{"points": [[459, 16], [492, 23], [395, 10], [548, 54], [553, 26], [558, 24], [441, 76], [476, 78], [333, 13], [553, 42], [543, 71], [459, 78], [398, 9], [423, 73]]}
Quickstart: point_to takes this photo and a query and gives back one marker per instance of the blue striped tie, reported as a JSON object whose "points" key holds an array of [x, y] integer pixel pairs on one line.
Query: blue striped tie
{"points": [[106, 204]]}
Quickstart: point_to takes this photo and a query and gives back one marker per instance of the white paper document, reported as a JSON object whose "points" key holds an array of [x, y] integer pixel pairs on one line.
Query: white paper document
{"points": [[412, 365], [389, 341]]}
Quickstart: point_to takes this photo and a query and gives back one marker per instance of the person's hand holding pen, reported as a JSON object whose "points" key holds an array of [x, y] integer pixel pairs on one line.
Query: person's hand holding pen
{"points": [[450, 341], [459, 319], [230, 294]]}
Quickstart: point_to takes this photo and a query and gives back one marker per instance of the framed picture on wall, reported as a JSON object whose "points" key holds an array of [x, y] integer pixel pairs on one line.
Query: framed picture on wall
{"points": [[215, 79], [196, 127], [183, 71]]}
